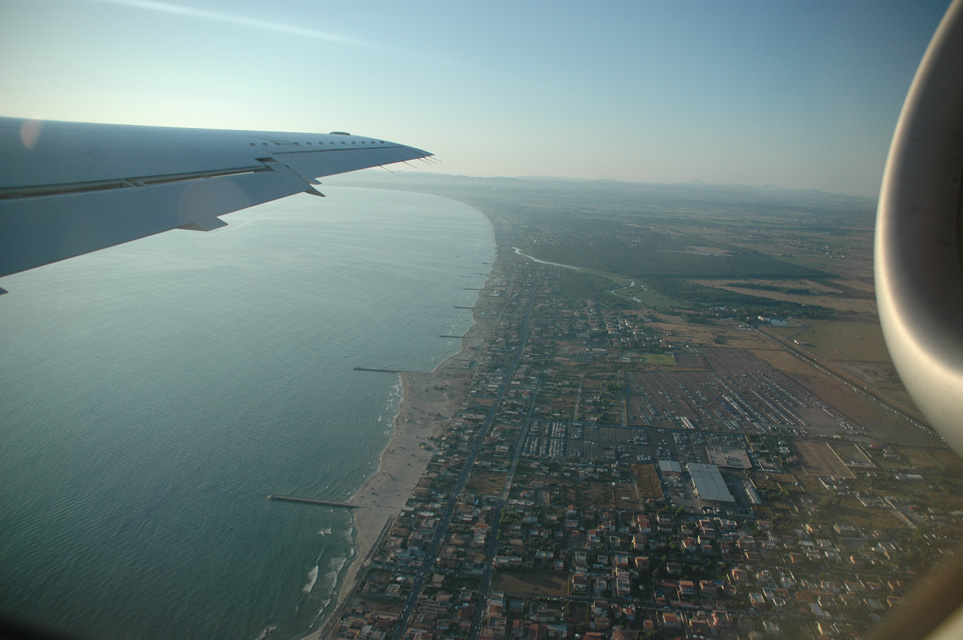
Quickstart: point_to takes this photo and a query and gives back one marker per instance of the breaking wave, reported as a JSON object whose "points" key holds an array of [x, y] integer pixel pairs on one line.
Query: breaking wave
{"points": [[312, 578]]}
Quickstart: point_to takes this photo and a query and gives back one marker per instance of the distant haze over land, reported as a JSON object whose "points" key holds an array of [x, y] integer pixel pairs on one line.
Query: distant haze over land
{"points": [[800, 94], [694, 188]]}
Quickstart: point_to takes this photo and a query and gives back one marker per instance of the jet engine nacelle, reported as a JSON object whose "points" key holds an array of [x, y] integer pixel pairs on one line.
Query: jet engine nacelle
{"points": [[919, 235]]}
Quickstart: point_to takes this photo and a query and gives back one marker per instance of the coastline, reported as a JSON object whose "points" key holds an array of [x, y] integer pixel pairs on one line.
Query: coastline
{"points": [[428, 404]]}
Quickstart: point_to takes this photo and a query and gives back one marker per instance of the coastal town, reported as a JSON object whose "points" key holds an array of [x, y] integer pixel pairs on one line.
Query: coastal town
{"points": [[603, 471]]}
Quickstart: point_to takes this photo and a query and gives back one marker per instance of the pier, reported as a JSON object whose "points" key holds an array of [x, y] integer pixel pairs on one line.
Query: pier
{"points": [[455, 337], [322, 503], [377, 370]]}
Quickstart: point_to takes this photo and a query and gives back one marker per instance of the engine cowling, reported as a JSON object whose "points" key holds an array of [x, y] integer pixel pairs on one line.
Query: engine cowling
{"points": [[919, 234]]}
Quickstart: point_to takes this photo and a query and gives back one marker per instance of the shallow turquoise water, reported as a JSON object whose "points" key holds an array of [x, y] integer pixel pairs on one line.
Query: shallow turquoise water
{"points": [[152, 395]]}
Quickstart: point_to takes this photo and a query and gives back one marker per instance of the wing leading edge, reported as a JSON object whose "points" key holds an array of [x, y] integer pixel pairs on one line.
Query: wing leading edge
{"points": [[70, 188]]}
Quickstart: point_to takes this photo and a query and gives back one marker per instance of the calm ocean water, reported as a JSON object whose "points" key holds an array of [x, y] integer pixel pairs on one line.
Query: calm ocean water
{"points": [[152, 395]]}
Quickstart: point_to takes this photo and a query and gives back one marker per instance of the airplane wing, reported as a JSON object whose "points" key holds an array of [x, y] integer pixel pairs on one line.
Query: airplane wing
{"points": [[69, 188]]}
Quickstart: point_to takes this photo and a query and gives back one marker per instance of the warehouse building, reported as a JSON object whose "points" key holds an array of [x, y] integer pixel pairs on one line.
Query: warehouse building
{"points": [[708, 482]]}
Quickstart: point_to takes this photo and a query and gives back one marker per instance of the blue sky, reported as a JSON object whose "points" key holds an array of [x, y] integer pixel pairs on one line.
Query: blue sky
{"points": [[802, 94]]}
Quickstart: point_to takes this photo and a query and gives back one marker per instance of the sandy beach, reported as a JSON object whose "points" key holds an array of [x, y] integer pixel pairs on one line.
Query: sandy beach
{"points": [[428, 403]]}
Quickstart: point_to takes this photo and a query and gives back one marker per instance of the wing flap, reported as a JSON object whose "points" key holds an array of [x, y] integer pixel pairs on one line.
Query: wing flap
{"points": [[44, 229]]}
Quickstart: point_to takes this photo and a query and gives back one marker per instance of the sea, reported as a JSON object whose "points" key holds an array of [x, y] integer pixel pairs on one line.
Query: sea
{"points": [[152, 396]]}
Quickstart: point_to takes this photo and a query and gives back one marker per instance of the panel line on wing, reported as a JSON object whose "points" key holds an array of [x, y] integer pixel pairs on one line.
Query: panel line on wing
{"points": [[124, 183]]}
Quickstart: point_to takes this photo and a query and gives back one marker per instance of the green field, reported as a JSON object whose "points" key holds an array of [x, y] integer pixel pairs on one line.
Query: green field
{"points": [[661, 359]]}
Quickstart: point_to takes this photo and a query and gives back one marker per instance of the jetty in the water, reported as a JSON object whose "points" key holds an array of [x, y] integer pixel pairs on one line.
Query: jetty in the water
{"points": [[322, 503], [377, 370]]}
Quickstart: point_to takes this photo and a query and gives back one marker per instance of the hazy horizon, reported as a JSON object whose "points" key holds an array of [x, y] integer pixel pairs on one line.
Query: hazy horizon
{"points": [[366, 174], [798, 95]]}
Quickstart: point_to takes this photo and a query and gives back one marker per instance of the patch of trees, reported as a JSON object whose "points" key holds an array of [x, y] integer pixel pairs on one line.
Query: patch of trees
{"points": [[582, 286]]}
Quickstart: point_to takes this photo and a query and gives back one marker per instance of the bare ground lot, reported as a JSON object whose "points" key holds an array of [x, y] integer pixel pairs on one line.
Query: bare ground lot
{"points": [[850, 454], [647, 480], [627, 496], [880, 423], [819, 459], [878, 375], [486, 483], [784, 361], [920, 458], [734, 359], [859, 285], [705, 335], [534, 583], [858, 264], [947, 459], [849, 511], [882, 377], [690, 361], [846, 341], [837, 303], [368, 602], [594, 495]]}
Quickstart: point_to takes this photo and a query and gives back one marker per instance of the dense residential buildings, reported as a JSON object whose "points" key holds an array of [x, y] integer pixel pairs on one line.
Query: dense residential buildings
{"points": [[689, 430], [582, 492]]}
